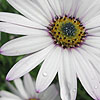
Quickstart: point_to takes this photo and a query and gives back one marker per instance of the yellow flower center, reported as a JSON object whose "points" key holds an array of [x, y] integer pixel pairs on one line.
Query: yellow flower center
{"points": [[68, 32]]}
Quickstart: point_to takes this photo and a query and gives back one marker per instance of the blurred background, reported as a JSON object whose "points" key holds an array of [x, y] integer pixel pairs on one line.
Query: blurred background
{"points": [[7, 62]]}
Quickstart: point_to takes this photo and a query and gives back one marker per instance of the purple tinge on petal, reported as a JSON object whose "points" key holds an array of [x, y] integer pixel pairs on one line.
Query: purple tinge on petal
{"points": [[1, 51], [10, 78], [37, 91], [7, 79]]}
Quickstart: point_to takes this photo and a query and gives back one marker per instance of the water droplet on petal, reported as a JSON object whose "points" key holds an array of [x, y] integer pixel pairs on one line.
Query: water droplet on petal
{"points": [[74, 90], [96, 87], [45, 74]]}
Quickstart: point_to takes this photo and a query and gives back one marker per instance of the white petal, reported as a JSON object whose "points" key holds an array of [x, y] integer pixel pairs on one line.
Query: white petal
{"points": [[29, 86], [93, 41], [50, 93], [5, 98], [13, 89], [20, 30], [74, 7], [86, 74], [94, 45], [98, 75], [93, 23], [67, 78], [19, 20], [94, 59], [19, 85], [92, 10], [27, 64], [83, 7], [48, 70], [60, 6], [8, 95], [25, 45], [30, 10], [91, 49], [55, 4], [94, 32], [44, 5], [77, 4], [67, 6]]}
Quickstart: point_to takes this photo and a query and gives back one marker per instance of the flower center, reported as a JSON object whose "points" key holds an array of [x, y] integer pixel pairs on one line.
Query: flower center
{"points": [[68, 32], [68, 29]]}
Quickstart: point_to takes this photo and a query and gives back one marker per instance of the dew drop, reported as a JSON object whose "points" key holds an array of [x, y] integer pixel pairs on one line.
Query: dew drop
{"points": [[45, 74], [96, 87], [74, 90]]}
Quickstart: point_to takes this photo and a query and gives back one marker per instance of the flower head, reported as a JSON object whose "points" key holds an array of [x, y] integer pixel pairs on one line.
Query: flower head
{"points": [[62, 33], [25, 90]]}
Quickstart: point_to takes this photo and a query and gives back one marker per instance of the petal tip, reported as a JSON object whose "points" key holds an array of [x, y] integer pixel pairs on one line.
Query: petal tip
{"points": [[8, 78], [1, 51], [37, 91]]}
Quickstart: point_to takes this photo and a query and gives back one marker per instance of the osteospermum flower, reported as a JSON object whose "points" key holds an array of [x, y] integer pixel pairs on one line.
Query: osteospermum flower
{"points": [[64, 34], [25, 90]]}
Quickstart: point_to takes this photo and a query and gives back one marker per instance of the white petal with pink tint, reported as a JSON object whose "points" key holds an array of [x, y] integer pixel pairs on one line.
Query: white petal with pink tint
{"points": [[67, 77], [87, 74], [29, 86], [27, 83], [9, 95], [13, 89], [27, 64], [25, 45], [28, 9], [49, 69], [93, 23], [5, 98], [91, 49], [21, 30], [44, 5], [20, 87], [91, 11], [50, 93], [94, 32], [19, 20]]}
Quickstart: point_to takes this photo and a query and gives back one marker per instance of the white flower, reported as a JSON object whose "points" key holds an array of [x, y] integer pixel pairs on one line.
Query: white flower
{"points": [[62, 33], [25, 90]]}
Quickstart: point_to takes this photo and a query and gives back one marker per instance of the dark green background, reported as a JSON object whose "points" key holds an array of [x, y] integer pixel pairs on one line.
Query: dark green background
{"points": [[7, 62]]}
